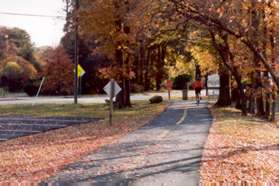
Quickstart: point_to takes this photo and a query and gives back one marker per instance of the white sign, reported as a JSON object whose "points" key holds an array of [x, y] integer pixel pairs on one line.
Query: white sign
{"points": [[112, 88], [213, 81], [213, 84]]}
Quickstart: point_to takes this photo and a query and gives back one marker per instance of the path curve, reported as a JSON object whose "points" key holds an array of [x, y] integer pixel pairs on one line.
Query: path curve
{"points": [[167, 151]]}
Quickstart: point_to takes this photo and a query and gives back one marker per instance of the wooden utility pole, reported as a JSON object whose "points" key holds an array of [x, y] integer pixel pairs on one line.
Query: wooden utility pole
{"points": [[76, 58]]}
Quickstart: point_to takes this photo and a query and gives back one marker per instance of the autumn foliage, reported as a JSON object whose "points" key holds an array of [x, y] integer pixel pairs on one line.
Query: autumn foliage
{"points": [[148, 42], [15, 72], [17, 62], [59, 73]]}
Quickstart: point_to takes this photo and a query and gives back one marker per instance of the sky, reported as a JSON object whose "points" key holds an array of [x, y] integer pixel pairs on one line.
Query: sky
{"points": [[43, 31]]}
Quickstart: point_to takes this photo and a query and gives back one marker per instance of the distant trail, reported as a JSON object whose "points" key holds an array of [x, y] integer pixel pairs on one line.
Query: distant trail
{"points": [[168, 151]]}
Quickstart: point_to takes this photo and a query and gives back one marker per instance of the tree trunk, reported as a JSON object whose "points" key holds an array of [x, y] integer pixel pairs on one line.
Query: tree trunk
{"points": [[198, 72], [260, 103], [123, 98], [257, 80], [161, 50], [146, 71], [227, 56], [273, 55], [158, 68], [206, 84], [141, 63], [242, 99], [127, 92], [224, 95], [267, 106]]}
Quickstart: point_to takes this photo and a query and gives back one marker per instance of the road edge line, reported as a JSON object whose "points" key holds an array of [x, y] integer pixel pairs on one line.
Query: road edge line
{"points": [[182, 118]]}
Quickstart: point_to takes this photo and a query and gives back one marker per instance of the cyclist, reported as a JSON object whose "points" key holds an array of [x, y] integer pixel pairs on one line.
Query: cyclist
{"points": [[198, 86]]}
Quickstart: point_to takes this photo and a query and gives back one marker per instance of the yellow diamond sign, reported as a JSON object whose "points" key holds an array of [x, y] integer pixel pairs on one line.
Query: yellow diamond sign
{"points": [[81, 71]]}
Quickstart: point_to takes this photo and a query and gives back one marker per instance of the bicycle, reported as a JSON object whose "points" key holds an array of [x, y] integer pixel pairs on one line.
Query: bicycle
{"points": [[198, 96]]}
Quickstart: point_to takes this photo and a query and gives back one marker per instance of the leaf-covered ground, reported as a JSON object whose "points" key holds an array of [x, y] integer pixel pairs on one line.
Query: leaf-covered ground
{"points": [[34, 158], [240, 149]]}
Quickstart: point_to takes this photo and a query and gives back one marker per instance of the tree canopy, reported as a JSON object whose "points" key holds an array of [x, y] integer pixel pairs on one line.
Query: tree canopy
{"points": [[149, 41]]}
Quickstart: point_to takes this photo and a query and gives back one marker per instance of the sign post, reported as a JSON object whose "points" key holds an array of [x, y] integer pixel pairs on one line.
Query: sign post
{"points": [[39, 90], [76, 55], [169, 85], [112, 89]]}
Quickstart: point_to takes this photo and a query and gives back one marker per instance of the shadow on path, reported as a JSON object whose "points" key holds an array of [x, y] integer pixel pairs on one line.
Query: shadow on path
{"points": [[161, 153]]}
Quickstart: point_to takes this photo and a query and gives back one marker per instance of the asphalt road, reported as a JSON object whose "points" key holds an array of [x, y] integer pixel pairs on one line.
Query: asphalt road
{"points": [[17, 99], [166, 152]]}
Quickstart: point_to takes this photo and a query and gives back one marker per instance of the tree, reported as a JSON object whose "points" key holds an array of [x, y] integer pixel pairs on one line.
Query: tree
{"points": [[15, 72], [240, 20], [17, 42], [59, 73], [233, 17], [145, 41]]}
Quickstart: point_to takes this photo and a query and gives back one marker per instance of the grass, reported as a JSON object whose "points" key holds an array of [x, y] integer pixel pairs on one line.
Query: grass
{"points": [[94, 110]]}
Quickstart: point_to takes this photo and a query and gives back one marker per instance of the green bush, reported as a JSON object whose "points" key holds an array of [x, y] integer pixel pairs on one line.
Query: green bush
{"points": [[12, 76], [31, 87], [15, 72], [3, 92], [180, 82], [156, 99]]}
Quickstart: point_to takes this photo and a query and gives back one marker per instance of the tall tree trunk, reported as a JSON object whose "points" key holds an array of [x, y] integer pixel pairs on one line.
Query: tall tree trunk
{"points": [[141, 62], [198, 72], [226, 56], [146, 71], [160, 66], [266, 82], [206, 84], [123, 98], [127, 92], [273, 55], [158, 69], [257, 79], [259, 94], [242, 95], [136, 67], [224, 95]]}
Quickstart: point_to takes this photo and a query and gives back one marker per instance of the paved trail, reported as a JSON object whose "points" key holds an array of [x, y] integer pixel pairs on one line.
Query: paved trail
{"points": [[166, 152]]}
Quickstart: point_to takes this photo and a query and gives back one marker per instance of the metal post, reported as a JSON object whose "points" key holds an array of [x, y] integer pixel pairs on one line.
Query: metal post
{"points": [[111, 101], [80, 86], [169, 94], [76, 58], [39, 90]]}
